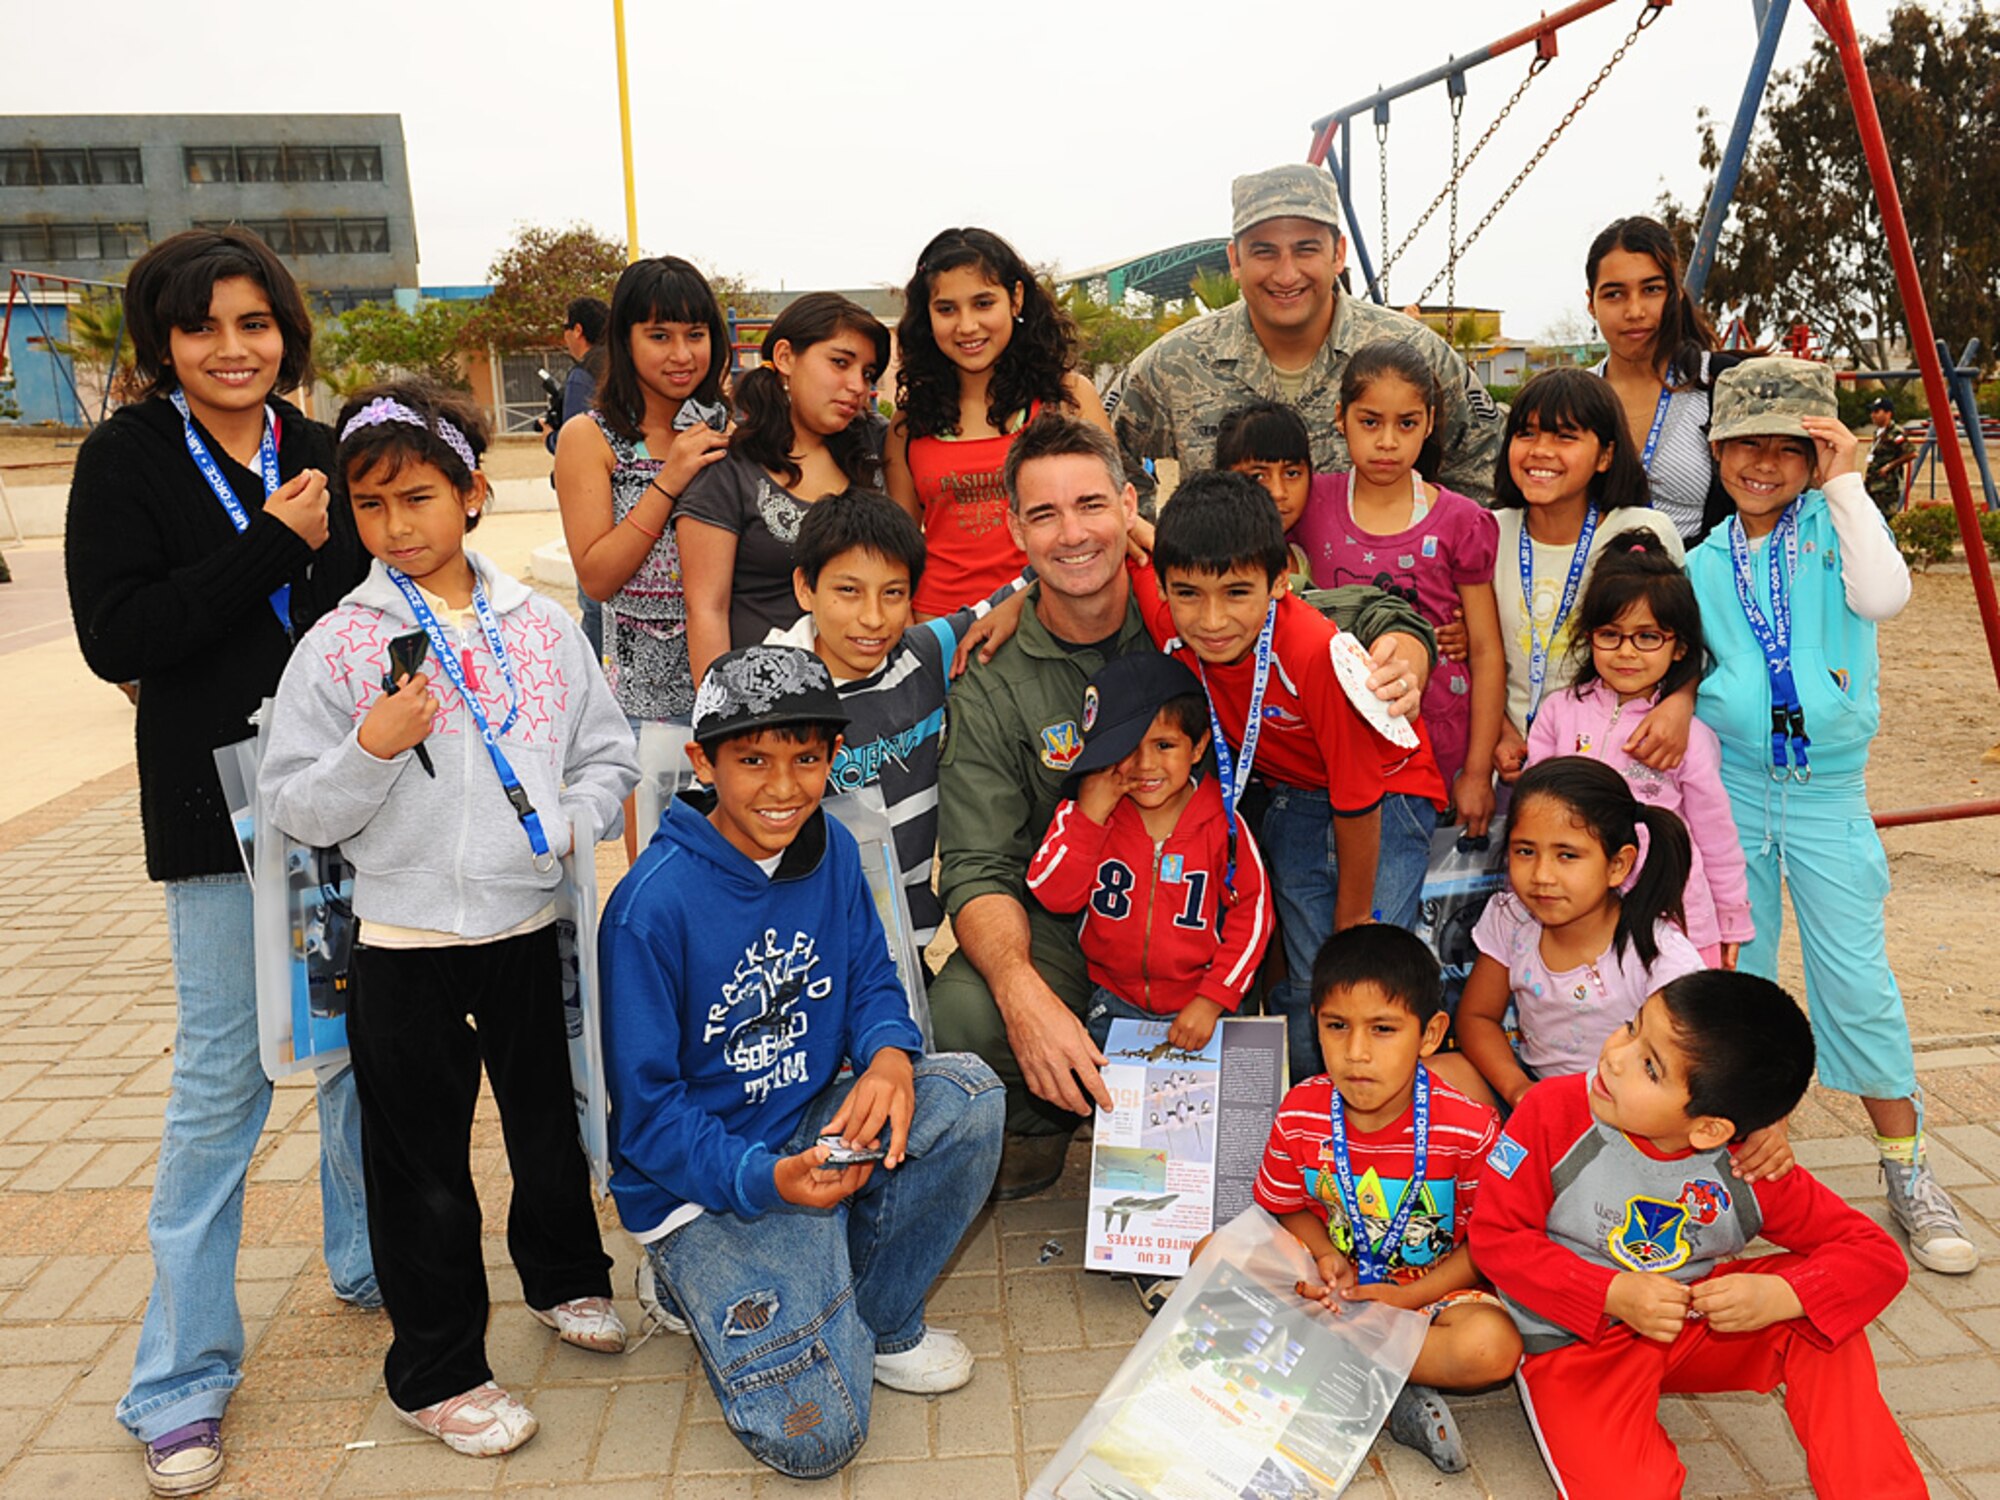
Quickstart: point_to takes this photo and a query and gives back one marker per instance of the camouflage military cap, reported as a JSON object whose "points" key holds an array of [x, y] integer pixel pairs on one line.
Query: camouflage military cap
{"points": [[1296, 191], [1766, 397]]}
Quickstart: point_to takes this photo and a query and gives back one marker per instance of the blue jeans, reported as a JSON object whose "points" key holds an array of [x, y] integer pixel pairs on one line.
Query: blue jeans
{"points": [[191, 1344], [1105, 1007], [789, 1310], [1407, 825], [593, 622]]}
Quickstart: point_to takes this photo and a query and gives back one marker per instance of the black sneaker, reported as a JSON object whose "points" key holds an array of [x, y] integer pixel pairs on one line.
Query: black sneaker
{"points": [[1029, 1164], [1422, 1421]]}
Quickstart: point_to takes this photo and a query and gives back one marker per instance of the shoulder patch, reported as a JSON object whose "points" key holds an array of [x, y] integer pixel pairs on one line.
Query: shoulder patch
{"points": [[1061, 745], [1507, 1155]]}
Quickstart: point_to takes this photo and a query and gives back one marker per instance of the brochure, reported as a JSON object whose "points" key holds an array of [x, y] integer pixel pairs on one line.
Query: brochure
{"points": [[1181, 1146]]}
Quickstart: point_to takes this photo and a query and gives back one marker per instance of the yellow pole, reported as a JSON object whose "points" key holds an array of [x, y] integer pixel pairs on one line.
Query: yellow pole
{"points": [[625, 136]]}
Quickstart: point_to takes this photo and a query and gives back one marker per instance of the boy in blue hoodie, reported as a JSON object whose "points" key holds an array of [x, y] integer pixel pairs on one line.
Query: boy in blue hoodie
{"points": [[792, 1221]]}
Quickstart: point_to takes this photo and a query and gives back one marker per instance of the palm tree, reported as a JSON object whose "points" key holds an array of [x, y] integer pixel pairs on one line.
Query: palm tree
{"points": [[94, 337], [1215, 290]]}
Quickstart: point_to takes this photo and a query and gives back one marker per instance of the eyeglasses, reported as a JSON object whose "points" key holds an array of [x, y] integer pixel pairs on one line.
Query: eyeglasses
{"points": [[1611, 638]]}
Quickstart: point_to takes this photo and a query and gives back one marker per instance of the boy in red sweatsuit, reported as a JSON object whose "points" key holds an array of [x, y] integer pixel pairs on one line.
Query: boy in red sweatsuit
{"points": [[1169, 928], [1609, 1221]]}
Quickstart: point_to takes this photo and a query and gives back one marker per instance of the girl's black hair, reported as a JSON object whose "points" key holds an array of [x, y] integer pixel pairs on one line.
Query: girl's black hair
{"points": [[764, 432], [172, 284], [1262, 432], [1031, 368], [395, 443], [1399, 358], [867, 520], [1634, 568], [1598, 798], [663, 289], [1583, 402], [1685, 332]]}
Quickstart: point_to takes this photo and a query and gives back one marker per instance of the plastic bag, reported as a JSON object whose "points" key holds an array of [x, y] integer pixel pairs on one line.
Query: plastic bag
{"points": [[1462, 876], [576, 945], [863, 813], [303, 923], [236, 767], [664, 773], [1241, 1389]]}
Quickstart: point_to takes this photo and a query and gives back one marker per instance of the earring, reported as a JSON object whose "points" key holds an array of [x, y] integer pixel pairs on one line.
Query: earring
{"points": [[473, 514], [1020, 318]]}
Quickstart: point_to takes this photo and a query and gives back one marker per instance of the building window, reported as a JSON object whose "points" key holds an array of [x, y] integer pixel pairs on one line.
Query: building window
{"points": [[32, 245], [293, 237], [94, 166], [347, 298], [283, 163]]}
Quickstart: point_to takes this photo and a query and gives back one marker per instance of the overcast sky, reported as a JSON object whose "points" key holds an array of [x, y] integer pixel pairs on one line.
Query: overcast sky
{"points": [[821, 145]]}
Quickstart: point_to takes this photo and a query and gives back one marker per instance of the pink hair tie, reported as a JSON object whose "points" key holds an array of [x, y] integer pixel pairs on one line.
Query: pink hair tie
{"points": [[1636, 547]]}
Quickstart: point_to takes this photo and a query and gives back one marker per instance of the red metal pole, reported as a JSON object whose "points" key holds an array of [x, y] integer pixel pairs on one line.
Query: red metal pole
{"points": [[1945, 813], [1839, 24]]}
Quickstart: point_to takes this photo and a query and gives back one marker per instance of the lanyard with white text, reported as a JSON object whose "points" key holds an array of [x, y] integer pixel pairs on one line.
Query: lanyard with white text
{"points": [[1233, 771], [1774, 637], [1371, 1259], [267, 463], [1538, 649], [1659, 421], [446, 655]]}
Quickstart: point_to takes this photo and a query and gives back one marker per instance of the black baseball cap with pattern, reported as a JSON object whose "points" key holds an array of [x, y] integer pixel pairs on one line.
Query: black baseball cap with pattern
{"points": [[762, 687]]}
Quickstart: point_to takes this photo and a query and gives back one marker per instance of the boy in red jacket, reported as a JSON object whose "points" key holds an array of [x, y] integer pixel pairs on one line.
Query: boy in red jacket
{"points": [[1176, 915], [1609, 1223]]}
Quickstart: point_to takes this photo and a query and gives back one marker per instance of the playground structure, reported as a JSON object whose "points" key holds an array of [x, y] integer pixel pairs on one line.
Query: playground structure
{"points": [[1332, 147], [35, 292]]}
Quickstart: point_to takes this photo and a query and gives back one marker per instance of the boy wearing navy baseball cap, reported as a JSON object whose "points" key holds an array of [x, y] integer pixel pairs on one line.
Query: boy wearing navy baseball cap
{"points": [[1176, 913]]}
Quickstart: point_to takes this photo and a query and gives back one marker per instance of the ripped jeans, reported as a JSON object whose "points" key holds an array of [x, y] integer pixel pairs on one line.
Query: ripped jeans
{"points": [[789, 1310]]}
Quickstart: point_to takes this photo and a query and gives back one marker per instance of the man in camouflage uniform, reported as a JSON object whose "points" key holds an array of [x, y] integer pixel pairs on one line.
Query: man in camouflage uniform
{"points": [[1289, 339], [1892, 454]]}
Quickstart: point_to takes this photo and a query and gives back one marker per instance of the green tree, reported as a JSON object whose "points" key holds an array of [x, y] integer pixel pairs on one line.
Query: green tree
{"points": [[378, 340], [1803, 241], [1215, 290], [94, 334], [534, 280]]}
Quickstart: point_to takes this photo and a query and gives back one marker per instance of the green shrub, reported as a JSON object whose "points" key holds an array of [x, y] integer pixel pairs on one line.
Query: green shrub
{"points": [[1925, 534], [1989, 527]]}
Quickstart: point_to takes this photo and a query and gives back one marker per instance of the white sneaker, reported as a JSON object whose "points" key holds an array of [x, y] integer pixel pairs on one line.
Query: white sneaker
{"points": [[940, 1363], [658, 1318], [587, 1322], [483, 1422], [1918, 1202]]}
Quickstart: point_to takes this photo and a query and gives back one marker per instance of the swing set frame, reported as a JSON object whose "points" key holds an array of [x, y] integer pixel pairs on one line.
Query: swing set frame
{"points": [[1336, 129]]}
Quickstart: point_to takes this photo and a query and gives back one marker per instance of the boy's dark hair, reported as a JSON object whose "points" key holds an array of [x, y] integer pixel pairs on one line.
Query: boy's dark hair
{"points": [[1398, 359], [591, 314], [1039, 355], [1749, 1048], [864, 519], [799, 732], [1601, 800], [1218, 521], [1634, 568], [662, 289], [764, 432], [395, 443], [1189, 712], [1393, 959], [1582, 402], [171, 285], [1055, 434], [1262, 432]]}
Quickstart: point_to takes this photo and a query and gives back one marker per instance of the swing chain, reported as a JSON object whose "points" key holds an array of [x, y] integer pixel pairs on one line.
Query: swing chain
{"points": [[1451, 231], [1382, 173], [1534, 70], [1651, 14]]}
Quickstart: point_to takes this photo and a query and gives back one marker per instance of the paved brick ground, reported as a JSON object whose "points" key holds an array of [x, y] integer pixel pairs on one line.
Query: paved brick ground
{"points": [[86, 1024]]}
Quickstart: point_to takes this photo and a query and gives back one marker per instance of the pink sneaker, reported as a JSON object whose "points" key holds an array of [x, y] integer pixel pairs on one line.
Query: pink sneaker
{"points": [[483, 1422], [587, 1322]]}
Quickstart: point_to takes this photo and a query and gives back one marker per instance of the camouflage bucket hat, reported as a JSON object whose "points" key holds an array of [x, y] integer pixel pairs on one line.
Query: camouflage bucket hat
{"points": [[1296, 191], [1766, 397]]}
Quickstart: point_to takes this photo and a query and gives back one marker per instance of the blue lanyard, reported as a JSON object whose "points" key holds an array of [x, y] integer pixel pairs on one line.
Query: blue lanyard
{"points": [[267, 462], [445, 653], [1659, 421], [1371, 1260], [1233, 771], [1774, 637], [1538, 649]]}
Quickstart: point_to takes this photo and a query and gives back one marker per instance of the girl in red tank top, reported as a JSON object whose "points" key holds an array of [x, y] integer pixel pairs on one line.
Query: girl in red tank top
{"points": [[983, 348]]}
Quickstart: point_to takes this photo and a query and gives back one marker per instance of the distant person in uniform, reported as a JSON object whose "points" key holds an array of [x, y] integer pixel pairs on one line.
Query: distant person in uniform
{"points": [[1892, 454], [1289, 340]]}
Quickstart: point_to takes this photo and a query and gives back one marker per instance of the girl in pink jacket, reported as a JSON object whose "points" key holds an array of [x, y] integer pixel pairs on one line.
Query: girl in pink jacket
{"points": [[1638, 639]]}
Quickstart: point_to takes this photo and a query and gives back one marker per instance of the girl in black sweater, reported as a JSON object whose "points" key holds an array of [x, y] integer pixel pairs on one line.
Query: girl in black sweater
{"points": [[199, 545]]}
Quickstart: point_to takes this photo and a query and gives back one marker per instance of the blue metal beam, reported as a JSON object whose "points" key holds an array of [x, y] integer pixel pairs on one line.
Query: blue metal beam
{"points": [[1770, 23]]}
